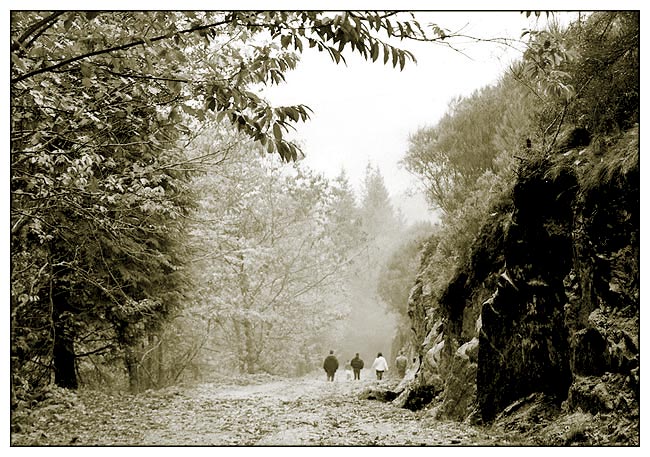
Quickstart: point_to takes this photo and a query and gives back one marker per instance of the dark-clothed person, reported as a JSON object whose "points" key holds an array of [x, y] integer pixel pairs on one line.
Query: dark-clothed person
{"points": [[330, 365], [357, 365]]}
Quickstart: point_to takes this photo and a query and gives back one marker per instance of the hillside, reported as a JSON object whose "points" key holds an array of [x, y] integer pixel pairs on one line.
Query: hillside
{"points": [[541, 325]]}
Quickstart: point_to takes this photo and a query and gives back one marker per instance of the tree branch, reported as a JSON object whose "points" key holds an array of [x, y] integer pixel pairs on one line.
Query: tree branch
{"points": [[85, 354], [45, 23], [114, 49]]}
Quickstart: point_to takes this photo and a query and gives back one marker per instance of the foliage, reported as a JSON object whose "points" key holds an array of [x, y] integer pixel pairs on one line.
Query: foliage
{"points": [[587, 74], [200, 57], [396, 276], [268, 271], [102, 105], [542, 61], [376, 208], [95, 197], [344, 215], [606, 75], [466, 143], [370, 326], [467, 162], [470, 157]]}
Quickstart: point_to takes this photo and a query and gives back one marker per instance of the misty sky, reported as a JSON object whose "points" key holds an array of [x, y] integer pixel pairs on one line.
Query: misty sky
{"points": [[364, 112]]}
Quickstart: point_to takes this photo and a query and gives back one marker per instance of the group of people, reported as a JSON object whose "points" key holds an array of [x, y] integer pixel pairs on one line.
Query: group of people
{"points": [[331, 364]]}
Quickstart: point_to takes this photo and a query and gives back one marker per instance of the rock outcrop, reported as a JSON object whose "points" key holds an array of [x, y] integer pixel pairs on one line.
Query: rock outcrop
{"points": [[547, 304]]}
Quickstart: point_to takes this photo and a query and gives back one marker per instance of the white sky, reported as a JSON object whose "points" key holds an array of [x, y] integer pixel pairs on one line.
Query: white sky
{"points": [[365, 111]]}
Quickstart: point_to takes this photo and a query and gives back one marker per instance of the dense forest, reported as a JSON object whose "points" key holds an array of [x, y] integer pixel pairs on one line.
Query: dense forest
{"points": [[164, 231]]}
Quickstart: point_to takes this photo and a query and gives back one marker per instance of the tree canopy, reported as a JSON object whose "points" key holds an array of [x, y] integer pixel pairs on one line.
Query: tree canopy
{"points": [[104, 106], [575, 84]]}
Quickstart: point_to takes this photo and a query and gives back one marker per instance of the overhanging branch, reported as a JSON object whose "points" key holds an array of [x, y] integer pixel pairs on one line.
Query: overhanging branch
{"points": [[122, 47]]}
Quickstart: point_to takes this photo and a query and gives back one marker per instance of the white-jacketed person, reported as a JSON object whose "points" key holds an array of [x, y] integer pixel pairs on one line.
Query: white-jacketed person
{"points": [[380, 365]]}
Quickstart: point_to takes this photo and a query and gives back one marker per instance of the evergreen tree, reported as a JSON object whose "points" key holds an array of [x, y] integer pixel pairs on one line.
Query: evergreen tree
{"points": [[101, 102], [378, 215], [371, 327]]}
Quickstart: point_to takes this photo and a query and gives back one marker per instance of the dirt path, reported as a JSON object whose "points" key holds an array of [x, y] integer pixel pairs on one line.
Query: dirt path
{"points": [[306, 411]]}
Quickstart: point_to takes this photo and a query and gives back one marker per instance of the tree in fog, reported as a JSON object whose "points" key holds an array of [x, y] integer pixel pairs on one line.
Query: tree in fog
{"points": [[271, 260], [102, 104], [398, 272], [370, 327]]}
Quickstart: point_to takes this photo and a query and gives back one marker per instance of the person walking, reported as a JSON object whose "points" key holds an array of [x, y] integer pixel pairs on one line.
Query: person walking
{"points": [[348, 370], [357, 365], [330, 365], [400, 363], [380, 365]]}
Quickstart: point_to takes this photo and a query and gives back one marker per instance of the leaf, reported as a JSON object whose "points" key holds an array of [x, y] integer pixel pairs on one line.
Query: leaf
{"points": [[293, 114], [336, 55], [389, 27], [68, 22], [374, 52], [18, 62], [277, 131], [298, 43], [86, 69], [283, 149]]}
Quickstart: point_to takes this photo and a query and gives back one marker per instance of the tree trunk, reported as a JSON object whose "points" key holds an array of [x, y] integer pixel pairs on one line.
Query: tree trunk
{"points": [[128, 342], [250, 348], [131, 362], [63, 356], [160, 361], [65, 367], [149, 363]]}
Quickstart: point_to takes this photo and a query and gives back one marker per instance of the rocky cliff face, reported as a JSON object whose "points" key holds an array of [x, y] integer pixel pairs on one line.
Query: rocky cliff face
{"points": [[524, 342], [548, 302]]}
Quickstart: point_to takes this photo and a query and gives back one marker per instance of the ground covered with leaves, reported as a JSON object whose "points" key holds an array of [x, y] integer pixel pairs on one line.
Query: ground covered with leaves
{"points": [[252, 411]]}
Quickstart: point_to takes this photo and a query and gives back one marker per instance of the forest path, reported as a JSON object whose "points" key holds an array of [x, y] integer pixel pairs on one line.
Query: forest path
{"points": [[306, 411]]}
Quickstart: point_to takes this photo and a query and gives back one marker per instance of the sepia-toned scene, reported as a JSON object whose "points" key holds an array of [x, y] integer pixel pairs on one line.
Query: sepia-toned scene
{"points": [[324, 228]]}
